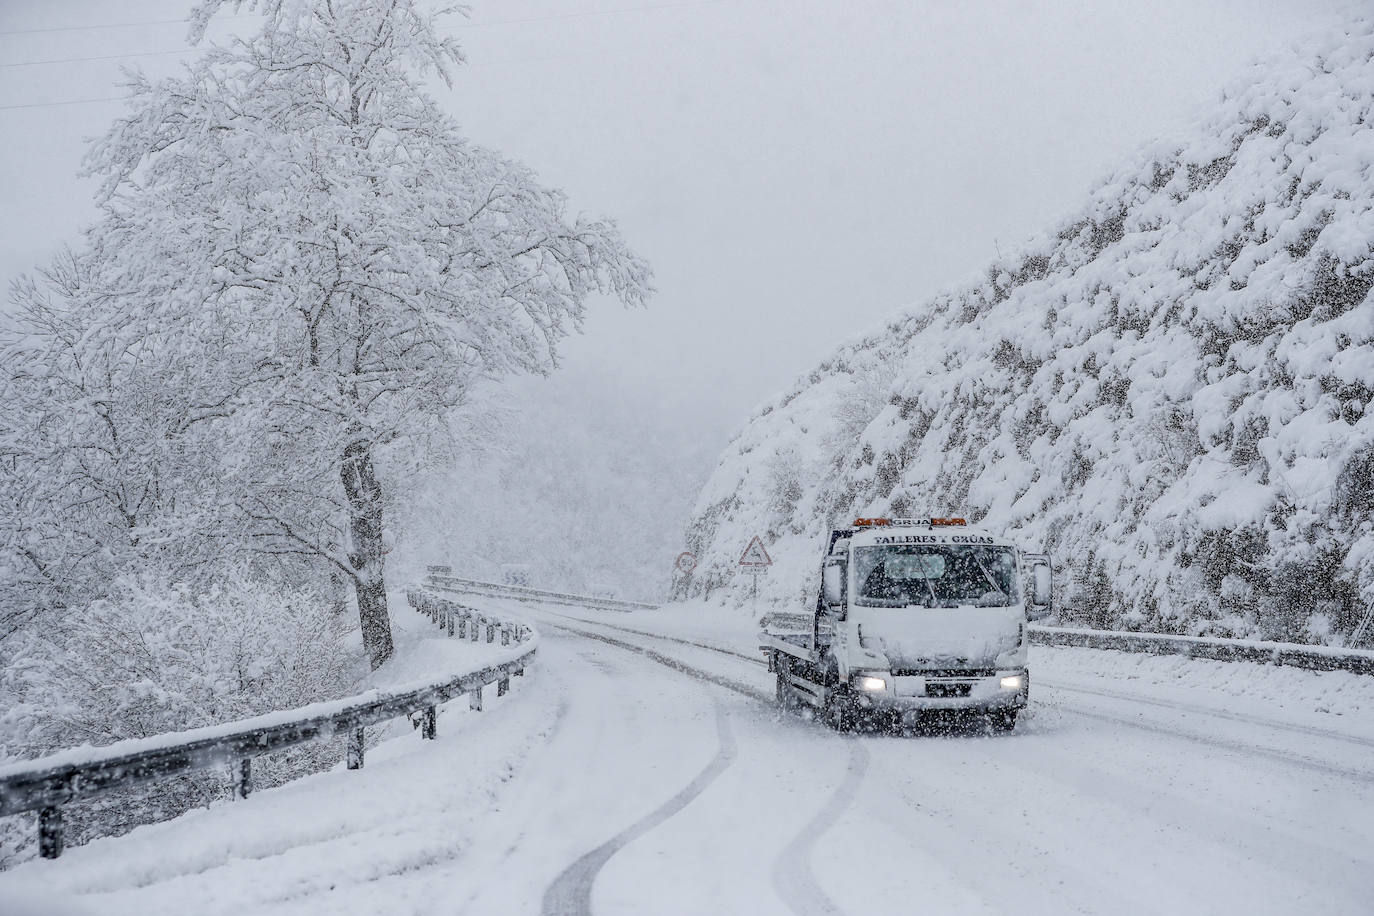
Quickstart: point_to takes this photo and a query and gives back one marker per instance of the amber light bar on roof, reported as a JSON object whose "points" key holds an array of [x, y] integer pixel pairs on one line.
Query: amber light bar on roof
{"points": [[909, 522]]}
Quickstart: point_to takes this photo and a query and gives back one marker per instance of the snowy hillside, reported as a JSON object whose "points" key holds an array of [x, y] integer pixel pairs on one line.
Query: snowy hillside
{"points": [[1170, 391]]}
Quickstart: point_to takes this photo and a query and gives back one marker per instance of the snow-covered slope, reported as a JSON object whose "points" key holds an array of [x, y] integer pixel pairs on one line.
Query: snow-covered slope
{"points": [[1170, 391]]}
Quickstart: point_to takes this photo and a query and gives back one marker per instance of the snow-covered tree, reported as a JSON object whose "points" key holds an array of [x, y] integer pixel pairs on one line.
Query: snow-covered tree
{"points": [[306, 239], [90, 455]]}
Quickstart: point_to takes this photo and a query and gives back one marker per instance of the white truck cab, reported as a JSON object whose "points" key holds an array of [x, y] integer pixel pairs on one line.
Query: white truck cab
{"points": [[914, 615]]}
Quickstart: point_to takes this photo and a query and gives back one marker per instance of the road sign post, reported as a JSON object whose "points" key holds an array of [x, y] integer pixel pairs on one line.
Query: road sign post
{"points": [[683, 567], [755, 559]]}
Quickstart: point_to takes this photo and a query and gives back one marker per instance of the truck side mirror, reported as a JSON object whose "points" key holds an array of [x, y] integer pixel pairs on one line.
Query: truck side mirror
{"points": [[832, 584], [1041, 603]]}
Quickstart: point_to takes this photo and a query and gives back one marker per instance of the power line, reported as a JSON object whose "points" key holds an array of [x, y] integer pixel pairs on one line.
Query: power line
{"points": [[77, 60], [582, 14], [114, 25], [86, 28], [469, 66], [494, 22], [112, 98]]}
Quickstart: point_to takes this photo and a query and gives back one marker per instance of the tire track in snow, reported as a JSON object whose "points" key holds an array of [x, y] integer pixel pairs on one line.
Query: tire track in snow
{"points": [[511, 847], [1311, 730], [752, 659], [1256, 750], [793, 880], [571, 892], [679, 666]]}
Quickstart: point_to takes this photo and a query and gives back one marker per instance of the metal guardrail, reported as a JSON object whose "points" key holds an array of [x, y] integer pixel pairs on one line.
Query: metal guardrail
{"points": [[1293, 655], [45, 784], [522, 593]]}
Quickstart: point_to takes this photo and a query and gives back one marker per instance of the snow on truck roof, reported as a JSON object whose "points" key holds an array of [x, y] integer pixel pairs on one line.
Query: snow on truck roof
{"points": [[908, 522]]}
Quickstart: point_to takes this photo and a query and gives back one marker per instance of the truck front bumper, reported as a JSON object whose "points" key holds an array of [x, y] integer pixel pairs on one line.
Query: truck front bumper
{"points": [[1008, 689]]}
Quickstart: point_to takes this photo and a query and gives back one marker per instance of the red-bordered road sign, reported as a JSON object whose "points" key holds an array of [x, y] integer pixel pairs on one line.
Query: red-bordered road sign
{"points": [[686, 562], [755, 554]]}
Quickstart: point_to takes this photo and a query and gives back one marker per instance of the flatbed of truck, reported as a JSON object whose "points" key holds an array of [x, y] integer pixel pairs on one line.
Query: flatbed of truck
{"points": [[790, 634], [795, 644]]}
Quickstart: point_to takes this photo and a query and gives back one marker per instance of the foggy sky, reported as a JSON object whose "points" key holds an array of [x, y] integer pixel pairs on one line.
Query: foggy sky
{"points": [[797, 171]]}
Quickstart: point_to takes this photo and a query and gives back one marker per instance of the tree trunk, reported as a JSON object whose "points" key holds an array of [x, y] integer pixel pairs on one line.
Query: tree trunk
{"points": [[338, 592], [364, 494]]}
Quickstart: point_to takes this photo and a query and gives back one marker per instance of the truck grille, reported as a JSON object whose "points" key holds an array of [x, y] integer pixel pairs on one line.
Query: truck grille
{"points": [[948, 690], [944, 672]]}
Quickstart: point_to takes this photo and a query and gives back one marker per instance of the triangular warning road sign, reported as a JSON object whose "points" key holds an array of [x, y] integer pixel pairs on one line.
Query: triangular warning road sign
{"points": [[755, 554]]}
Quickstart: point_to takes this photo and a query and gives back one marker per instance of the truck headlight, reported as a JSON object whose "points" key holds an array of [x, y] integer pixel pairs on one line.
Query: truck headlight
{"points": [[871, 684], [1013, 682]]}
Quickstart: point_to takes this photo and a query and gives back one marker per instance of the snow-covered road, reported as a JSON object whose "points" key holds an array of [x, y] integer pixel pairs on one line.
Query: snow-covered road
{"points": [[1110, 798], [647, 773]]}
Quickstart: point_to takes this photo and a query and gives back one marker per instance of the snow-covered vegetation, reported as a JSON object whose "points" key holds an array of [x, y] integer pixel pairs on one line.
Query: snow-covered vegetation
{"points": [[1171, 391], [210, 407], [150, 658]]}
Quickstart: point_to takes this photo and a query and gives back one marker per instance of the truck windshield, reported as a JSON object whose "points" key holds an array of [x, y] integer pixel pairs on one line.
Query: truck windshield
{"points": [[935, 575]]}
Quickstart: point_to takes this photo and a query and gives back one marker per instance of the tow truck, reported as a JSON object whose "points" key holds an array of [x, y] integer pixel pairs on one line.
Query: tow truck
{"points": [[913, 617]]}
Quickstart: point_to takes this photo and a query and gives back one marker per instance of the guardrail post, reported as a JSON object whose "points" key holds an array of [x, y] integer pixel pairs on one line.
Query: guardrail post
{"points": [[505, 636], [475, 699], [502, 686], [430, 724], [50, 832], [244, 781], [451, 615], [476, 625], [355, 749], [491, 632], [463, 627]]}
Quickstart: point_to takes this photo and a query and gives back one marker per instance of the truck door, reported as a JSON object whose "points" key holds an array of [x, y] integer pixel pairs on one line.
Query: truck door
{"points": [[834, 596]]}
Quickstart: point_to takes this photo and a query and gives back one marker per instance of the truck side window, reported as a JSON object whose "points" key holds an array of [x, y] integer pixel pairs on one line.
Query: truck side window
{"points": [[834, 587]]}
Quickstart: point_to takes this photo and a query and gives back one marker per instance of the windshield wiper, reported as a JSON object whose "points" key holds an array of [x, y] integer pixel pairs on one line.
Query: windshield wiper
{"points": [[934, 602], [988, 576]]}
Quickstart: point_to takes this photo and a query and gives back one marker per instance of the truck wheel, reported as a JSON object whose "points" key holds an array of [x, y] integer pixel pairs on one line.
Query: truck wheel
{"points": [[1003, 720], [786, 699], [785, 695], [839, 712]]}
